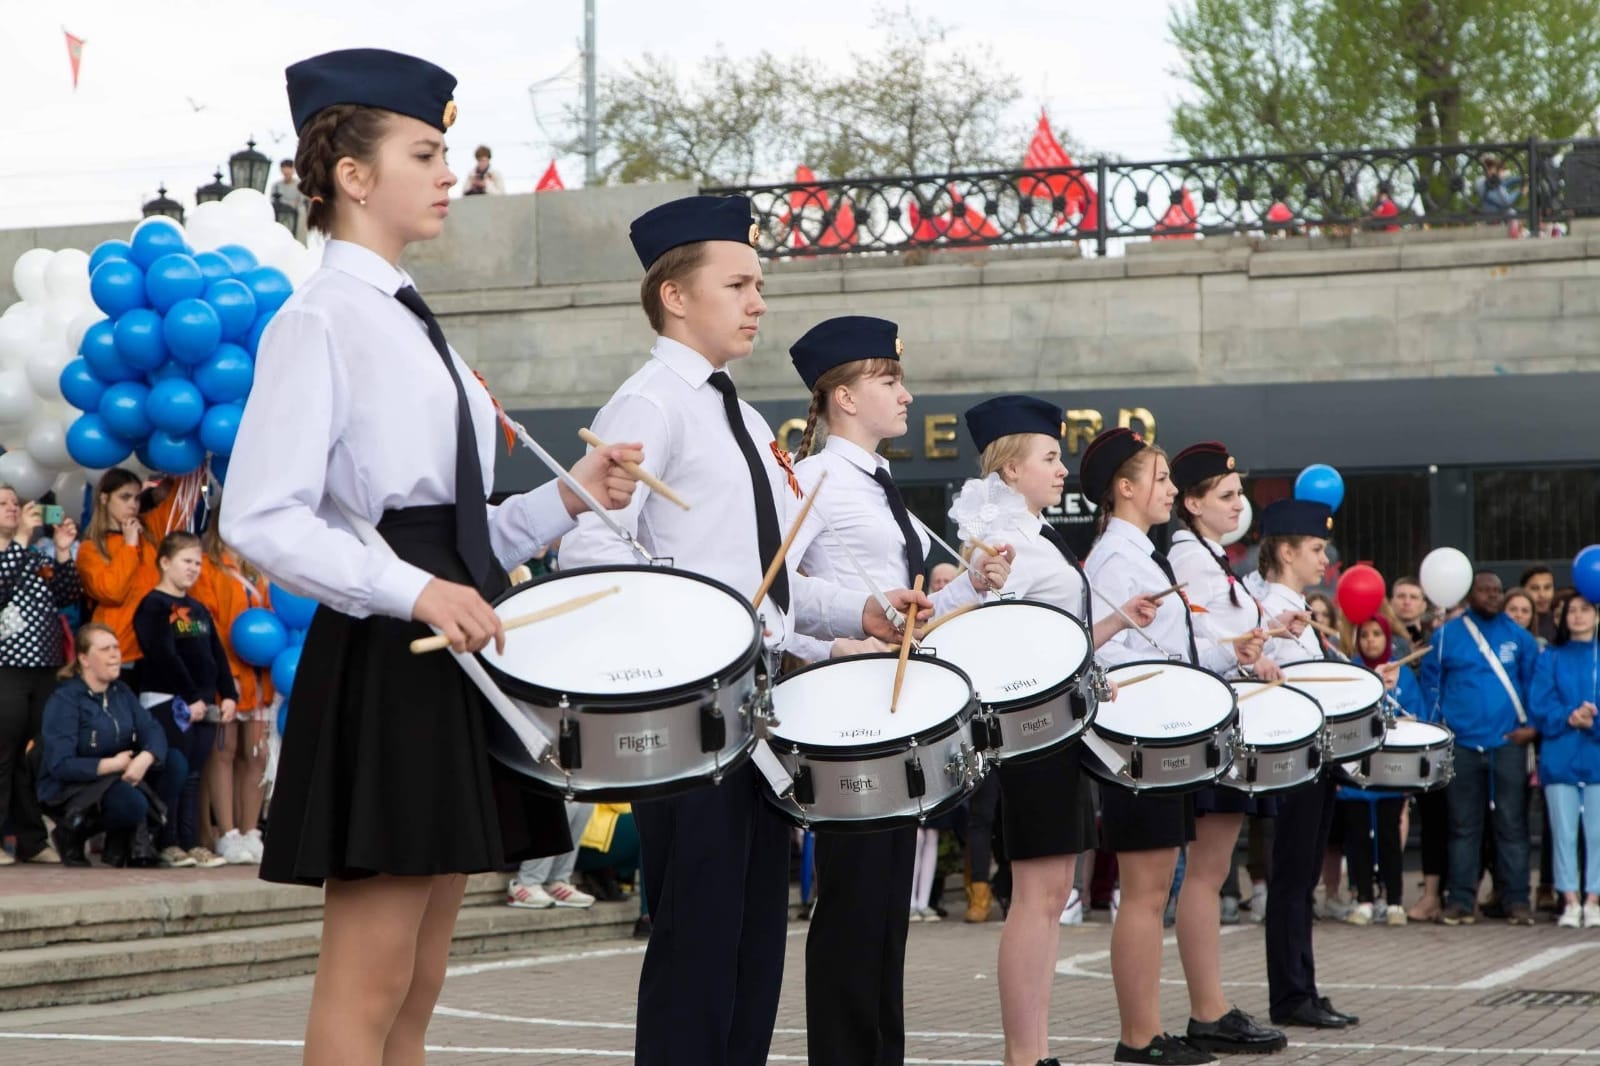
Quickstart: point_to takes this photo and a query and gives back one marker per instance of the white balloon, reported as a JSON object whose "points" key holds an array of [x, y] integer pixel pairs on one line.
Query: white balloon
{"points": [[27, 276], [23, 473], [69, 488], [43, 366], [17, 401], [208, 225], [247, 204], [58, 315], [19, 335], [80, 325], [1446, 576], [67, 276], [1246, 516], [47, 443]]}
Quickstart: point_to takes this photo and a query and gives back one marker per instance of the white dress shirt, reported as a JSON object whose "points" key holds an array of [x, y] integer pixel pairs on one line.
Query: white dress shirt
{"points": [[1195, 562], [669, 406], [1286, 649], [1040, 572], [1120, 567], [351, 402], [853, 511]]}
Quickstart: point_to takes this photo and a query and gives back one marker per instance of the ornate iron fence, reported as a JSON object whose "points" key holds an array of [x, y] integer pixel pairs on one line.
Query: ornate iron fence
{"points": [[1533, 182]]}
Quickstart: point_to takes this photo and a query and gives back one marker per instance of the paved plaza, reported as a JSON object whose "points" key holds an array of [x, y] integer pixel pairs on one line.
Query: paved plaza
{"points": [[1426, 994]]}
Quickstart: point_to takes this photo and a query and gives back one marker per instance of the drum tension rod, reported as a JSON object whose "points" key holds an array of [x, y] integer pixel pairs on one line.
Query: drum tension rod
{"points": [[916, 783], [803, 790], [713, 726], [570, 746]]}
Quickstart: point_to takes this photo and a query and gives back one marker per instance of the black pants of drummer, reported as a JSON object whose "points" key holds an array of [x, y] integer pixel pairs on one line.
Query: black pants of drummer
{"points": [[716, 876], [856, 949], [1305, 817]]}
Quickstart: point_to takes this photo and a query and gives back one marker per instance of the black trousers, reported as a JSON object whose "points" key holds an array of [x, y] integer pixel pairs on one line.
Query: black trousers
{"points": [[716, 877], [23, 693], [1305, 817], [856, 949], [981, 808], [1433, 816], [1358, 816]]}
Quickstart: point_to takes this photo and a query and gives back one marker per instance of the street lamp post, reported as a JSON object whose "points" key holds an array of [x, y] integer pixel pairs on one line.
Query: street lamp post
{"points": [[287, 214], [218, 188], [249, 168], [163, 205]]}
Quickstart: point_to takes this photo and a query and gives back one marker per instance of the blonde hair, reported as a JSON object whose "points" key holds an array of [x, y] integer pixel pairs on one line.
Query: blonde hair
{"points": [[1132, 469], [1012, 448], [674, 264], [841, 375], [82, 643], [216, 550]]}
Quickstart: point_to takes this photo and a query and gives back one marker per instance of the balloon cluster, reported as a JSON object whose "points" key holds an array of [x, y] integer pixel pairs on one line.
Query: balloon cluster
{"points": [[271, 638]]}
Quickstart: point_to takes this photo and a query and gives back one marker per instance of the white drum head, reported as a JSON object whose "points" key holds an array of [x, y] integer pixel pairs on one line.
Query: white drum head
{"points": [[661, 631], [1012, 649], [1409, 733], [1276, 716], [1356, 689], [846, 703], [1178, 701]]}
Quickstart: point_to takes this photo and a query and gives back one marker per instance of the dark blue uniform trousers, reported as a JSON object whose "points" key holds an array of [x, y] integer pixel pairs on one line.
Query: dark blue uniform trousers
{"points": [[1305, 817]]}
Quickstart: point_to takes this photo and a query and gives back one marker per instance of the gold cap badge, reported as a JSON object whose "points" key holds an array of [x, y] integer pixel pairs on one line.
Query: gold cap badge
{"points": [[449, 118], [899, 347], [1330, 523], [755, 234], [1230, 462], [1063, 429]]}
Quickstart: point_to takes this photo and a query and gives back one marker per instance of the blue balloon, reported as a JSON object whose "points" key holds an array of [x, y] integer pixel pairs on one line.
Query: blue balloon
{"points": [[1586, 573], [1320, 483], [252, 340], [99, 350], [270, 285], [123, 408], [297, 637], [176, 406], [173, 454], [112, 249], [172, 278], [214, 266], [139, 339], [283, 717], [192, 330], [166, 371], [235, 305], [227, 375], [283, 670], [258, 636], [91, 443], [296, 611], [154, 238], [220, 426], [117, 287], [219, 468], [239, 257], [142, 451], [80, 387]]}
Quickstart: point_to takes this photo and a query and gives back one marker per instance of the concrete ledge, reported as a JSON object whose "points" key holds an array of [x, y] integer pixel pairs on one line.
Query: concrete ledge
{"points": [[1290, 264], [1494, 252], [923, 277]]}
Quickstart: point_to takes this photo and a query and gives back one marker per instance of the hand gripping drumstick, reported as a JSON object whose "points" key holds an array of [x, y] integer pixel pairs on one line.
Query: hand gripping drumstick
{"points": [[794, 530], [1120, 613], [1169, 590], [423, 645], [656, 485], [905, 652]]}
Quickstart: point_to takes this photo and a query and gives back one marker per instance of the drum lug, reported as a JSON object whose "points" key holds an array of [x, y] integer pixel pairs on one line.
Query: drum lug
{"points": [[1136, 764], [1314, 757], [713, 726], [1213, 754], [1250, 770], [916, 783], [803, 791], [569, 745], [1379, 726], [1426, 768], [986, 733], [1366, 767]]}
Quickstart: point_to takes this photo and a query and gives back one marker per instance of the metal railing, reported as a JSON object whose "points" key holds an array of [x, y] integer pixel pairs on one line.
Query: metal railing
{"points": [[1105, 202]]}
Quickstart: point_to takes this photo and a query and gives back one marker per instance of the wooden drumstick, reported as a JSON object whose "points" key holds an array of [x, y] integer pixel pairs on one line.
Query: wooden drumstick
{"points": [[1414, 656], [943, 618], [1275, 631], [905, 652], [1138, 678], [1325, 630], [1268, 685], [985, 548], [1169, 590], [783, 549], [656, 485], [423, 645], [1321, 680]]}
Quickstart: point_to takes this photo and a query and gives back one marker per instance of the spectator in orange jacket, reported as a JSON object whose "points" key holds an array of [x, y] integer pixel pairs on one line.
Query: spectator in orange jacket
{"points": [[117, 560]]}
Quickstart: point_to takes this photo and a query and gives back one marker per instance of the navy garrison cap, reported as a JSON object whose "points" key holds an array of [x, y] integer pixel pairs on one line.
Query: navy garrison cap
{"points": [[1201, 462], [689, 220], [1002, 416], [847, 339], [372, 77], [1297, 518], [1104, 457]]}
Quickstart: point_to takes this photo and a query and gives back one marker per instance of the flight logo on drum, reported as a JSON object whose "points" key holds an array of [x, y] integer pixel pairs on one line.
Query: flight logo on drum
{"points": [[1014, 686], [858, 784], [1175, 762], [1037, 725], [1284, 766], [1174, 726], [857, 733], [645, 743], [636, 673]]}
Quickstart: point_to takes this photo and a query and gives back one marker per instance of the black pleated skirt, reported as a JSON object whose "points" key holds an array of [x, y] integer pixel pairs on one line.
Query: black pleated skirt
{"points": [[1132, 821], [1047, 808], [1219, 800], [385, 767]]}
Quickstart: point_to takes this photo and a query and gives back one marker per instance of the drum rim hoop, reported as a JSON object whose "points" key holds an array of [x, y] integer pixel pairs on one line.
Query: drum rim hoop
{"points": [[1052, 691], [881, 748], [1227, 721]]}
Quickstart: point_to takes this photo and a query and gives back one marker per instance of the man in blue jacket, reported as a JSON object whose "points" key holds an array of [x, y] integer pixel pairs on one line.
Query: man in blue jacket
{"points": [[1476, 680]]}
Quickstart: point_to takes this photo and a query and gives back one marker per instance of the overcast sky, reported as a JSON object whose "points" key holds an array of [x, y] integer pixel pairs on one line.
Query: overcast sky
{"points": [[169, 90]]}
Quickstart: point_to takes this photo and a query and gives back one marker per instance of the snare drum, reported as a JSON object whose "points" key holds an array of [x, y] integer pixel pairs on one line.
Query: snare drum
{"points": [[1415, 757], [648, 692], [1280, 739], [1351, 701], [857, 766], [1029, 664], [1172, 731]]}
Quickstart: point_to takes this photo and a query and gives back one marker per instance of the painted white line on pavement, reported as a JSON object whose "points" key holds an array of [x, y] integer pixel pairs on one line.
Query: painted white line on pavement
{"points": [[1508, 974], [1073, 965]]}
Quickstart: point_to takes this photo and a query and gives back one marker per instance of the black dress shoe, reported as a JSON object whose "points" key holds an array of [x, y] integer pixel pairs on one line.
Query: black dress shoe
{"points": [[1327, 1005], [1049, 1062], [1164, 1050], [69, 846], [642, 927], [1313, 1015], [1235, 1033]]}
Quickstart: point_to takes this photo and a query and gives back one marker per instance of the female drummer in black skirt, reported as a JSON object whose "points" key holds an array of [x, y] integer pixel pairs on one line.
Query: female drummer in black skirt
{"points": [[855, 948], [361, 416], [1210, 504], [1047, 813], [1132, 486]]}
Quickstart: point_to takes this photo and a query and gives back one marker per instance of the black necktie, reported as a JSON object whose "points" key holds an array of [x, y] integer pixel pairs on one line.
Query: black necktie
{"points": [[1049, 533], [767, 535], [472, 513], [1188, 618], [897, 507]]}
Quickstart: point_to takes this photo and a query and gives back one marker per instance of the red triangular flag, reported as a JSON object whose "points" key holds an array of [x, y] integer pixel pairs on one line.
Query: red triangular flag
{"points": [[551, 179], [74, 54], [1044, 151], [1178, 223]]}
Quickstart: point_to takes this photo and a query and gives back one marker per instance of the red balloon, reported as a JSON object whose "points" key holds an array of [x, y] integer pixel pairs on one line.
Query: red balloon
{"points": [[1360, 593]]}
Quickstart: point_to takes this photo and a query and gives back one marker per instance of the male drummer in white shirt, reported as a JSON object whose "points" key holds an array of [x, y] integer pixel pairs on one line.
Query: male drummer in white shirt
{"points": [[717, 890]]}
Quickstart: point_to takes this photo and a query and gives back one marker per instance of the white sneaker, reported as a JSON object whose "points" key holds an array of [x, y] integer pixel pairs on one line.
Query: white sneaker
{"points": [[565, 895], [1572, 916], [916, 915], [256, 845], [1258, 903], [1591, 915], [233, 849], [928, 914], [529, 897], [1116, 903], [1360, 914], [1072, 913]]}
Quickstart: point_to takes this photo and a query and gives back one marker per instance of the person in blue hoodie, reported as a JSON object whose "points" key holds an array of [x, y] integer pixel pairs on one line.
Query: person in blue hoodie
{"points": [[102, 755], [1475, 680], [1562, 701]]}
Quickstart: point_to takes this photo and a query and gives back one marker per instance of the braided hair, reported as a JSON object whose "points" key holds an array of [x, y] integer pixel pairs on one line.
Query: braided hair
{"points": [[334, 133], [1130, 470], [1195, 492]]}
